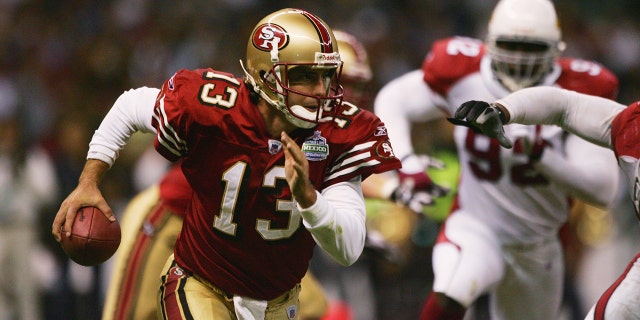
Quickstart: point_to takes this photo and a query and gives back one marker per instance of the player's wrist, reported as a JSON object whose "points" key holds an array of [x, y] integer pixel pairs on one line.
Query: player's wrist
{"points": [[309, 197], [503, 113]]}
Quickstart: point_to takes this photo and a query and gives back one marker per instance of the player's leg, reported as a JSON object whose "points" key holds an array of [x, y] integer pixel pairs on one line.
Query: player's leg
{"points": [[131, 221], [155, 246], [533, 281], [285, 307], [622, 298], [467, 262], [313, 302], [183, 296], [149, 231]]}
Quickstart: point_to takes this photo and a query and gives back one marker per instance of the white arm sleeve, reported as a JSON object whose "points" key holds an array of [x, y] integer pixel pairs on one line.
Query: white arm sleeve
{"points": [[337, 221], [585, 171], [131, 112], [587, 116], [402, 101]]}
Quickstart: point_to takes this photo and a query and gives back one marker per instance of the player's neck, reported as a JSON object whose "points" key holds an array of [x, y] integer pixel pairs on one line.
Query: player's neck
{"points": [[274, 120]]}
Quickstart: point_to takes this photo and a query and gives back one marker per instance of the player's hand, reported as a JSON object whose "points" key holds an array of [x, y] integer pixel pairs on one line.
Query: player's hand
{"points": [[416, 189], [85, 194], [483, 117], [296, 168]]}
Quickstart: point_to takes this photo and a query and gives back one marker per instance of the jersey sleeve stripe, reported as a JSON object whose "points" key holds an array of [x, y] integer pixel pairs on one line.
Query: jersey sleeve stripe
{"points": [[167, 136], [354, 159], [347, 170], [356, 149]]}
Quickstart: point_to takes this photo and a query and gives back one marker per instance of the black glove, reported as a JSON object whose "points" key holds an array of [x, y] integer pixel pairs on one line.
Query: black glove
{"points": [[482, 117]]}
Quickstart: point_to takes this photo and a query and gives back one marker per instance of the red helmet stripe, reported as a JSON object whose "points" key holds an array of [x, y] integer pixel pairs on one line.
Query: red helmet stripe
{"points": [[323, 32]]}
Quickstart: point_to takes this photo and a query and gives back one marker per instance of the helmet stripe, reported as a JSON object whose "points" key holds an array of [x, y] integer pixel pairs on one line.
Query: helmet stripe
{"points": [[323, 32]]}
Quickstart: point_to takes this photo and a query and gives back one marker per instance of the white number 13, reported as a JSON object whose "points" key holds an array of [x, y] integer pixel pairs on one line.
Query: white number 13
{"points": [[233, 178]]}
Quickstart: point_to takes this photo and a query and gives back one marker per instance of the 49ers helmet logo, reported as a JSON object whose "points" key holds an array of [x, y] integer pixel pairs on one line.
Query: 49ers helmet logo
{"points": [[270, 35]]}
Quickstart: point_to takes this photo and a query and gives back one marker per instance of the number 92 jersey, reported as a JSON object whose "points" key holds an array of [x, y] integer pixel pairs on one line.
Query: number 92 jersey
{"points": [[501, 185], [242, 231]]}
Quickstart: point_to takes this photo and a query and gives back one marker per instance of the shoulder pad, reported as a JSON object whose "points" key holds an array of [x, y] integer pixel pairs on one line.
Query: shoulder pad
{"points": [[587, 77], [450, 60]]}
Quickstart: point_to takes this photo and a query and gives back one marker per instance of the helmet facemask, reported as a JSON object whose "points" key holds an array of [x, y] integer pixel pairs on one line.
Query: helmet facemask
{"points": [[523, 41], [521, 63], [278, 80]]}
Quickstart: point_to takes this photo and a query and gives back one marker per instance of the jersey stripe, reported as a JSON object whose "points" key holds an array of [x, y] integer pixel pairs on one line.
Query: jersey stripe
{"points": [[167, 136], [347, 170]]}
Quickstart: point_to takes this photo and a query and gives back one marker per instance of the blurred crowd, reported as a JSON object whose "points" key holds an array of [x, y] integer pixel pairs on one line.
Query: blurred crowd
{"points": [[63, 63]]}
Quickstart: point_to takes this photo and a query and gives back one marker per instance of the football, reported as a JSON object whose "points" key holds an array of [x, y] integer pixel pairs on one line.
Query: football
{"points": [[94, 238]]}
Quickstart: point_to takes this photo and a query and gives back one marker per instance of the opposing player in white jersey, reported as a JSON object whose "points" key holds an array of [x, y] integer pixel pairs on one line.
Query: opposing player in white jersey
{"points": [[501, 237], [601, 121]]}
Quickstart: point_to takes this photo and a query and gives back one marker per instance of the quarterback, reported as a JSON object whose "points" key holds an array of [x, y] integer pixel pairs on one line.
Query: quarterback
{"points": [[260, 203]]}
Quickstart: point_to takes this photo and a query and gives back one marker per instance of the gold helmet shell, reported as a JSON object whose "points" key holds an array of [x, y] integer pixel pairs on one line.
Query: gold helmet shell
{"points": [[286, 39]]}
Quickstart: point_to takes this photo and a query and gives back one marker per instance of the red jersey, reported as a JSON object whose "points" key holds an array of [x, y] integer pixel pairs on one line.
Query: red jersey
{"points": [[242, 231], [175, 190]]}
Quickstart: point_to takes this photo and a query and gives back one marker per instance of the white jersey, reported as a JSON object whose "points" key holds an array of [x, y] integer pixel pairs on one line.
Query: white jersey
{"points": [[606, 123], [524, 202]]}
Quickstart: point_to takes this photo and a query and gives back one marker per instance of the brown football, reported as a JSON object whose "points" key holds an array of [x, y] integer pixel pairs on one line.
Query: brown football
{"points": [[94, 239]]}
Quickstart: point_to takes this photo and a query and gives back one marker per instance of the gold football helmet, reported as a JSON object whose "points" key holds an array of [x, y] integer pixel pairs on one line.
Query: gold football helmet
{"points": [[356, 71], [287, 39]]}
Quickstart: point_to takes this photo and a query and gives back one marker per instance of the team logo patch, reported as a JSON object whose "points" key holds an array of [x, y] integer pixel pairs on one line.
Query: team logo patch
{"points": [[380, 131], [178, 271], [274, 146], [292, 311], [315, 148], [384, 150], [270, 36]]}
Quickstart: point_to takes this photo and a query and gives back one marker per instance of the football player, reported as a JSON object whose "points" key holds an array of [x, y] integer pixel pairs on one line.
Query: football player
{"points": [[151, 223], [275, 162], [501, 238], [153, 219], [601, 121]]}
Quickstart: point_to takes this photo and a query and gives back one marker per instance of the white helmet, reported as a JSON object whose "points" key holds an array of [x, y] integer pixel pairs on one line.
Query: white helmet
{"points": [[523, 41], [287, 39]]}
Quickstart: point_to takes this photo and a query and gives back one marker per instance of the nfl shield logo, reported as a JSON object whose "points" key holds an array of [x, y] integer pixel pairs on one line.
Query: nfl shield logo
{"points": [[291, 312]]}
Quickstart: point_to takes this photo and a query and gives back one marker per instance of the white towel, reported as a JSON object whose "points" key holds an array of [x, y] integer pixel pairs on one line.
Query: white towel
{"points": [[249, 309]]}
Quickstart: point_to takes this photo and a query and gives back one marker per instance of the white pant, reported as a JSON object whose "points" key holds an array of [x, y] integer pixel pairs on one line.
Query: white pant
{"points": [[523, 281]]}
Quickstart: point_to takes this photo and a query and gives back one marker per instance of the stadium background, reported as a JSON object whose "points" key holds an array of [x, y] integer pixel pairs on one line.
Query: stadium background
{"points": [[63, 63]]}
